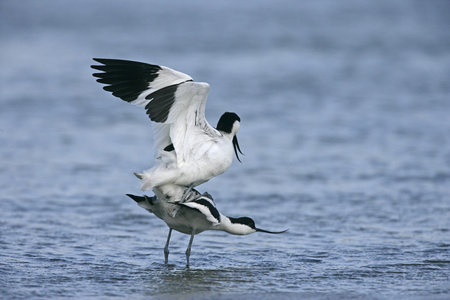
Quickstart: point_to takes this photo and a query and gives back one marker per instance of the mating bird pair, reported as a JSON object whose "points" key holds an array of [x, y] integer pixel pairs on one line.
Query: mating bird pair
{"points": [[189, 150]]}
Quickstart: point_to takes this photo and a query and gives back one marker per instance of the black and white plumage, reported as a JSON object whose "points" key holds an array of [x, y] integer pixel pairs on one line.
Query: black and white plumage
{"points": [[190, 151], [195, 215]]}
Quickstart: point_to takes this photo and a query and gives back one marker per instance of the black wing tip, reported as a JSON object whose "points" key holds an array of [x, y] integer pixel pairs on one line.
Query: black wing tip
{"points": [[124, 62], [125, 79], [109, 60], [103, 61]]}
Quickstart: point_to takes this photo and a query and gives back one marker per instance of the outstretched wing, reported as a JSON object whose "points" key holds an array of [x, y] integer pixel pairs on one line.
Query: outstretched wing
{"points": [[171, 98]]}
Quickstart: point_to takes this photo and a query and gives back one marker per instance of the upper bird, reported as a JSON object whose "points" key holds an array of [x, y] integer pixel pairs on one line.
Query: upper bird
{"points": [[190, 151]]}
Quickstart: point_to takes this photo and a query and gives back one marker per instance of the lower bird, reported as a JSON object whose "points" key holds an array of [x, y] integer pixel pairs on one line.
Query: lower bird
{"points": [[196, 214]]}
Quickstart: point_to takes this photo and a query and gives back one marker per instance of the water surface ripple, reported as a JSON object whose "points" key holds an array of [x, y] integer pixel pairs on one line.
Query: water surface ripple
{"points": [[345, 129]]}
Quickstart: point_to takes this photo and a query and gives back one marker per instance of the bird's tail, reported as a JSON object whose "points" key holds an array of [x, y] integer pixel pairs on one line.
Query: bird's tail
{"points": [[146, 183], [157, 176], [145, 202]]}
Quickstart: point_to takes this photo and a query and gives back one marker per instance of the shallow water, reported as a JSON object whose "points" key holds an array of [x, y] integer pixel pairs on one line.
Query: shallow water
{"points": [[345, 130]]}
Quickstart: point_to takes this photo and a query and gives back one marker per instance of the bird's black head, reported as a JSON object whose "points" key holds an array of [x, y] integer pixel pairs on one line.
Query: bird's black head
{"points": [[250, 223], [228, 123], [244, 221]]}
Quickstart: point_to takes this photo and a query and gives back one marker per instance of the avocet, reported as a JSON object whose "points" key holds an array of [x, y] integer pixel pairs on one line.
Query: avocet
{"points": [[196, 214], [190, 151]]}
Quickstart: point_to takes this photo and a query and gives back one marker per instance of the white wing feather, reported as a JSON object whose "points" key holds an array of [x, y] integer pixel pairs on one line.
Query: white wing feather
{"points": [[179, 110], [186, 113], [166, 77], [187, 117]]}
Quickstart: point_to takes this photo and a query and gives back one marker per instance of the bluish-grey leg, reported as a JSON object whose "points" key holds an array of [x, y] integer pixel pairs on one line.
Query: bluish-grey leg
{"points": [[166, 248], [188, 250]]}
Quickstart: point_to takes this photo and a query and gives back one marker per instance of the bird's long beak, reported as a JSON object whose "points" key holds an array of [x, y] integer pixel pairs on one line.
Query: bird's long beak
{"points": [[272, 232], [236, 147]]}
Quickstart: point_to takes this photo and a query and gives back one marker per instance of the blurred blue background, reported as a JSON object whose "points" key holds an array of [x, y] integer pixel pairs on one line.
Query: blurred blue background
{"points": [[345, 129]]}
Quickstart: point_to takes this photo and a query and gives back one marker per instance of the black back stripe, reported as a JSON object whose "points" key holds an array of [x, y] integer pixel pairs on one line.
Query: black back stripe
{"points": [[159, 107], [212, 209]]}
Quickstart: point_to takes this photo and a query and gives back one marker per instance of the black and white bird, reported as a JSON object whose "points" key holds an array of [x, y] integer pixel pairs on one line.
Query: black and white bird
{"points": [[196, 214], [190, 151]]}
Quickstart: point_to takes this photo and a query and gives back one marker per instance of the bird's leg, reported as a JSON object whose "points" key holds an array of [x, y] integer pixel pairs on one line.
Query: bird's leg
{"points": [[188, 250], [186, 193], [166, 248]]}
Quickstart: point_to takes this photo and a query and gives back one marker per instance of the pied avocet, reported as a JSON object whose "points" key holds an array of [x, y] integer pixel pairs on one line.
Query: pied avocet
{"points": [[196, 214], [190, 151]]}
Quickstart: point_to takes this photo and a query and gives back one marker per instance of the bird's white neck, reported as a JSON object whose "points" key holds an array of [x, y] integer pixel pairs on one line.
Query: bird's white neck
{"points": [[228, 135]]}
